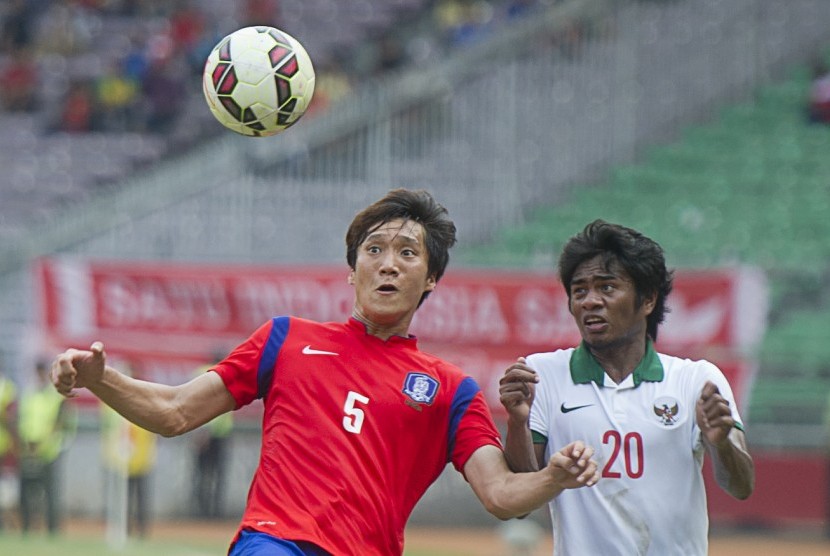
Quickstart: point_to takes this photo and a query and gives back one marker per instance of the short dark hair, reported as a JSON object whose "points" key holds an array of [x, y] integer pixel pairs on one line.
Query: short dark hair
{"points": [[641, 257], [417, 205]]}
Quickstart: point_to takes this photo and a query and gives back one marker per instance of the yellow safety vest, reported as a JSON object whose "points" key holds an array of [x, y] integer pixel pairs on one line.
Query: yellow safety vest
{"points": [[8, 393], [41, 430], [127, 448]]}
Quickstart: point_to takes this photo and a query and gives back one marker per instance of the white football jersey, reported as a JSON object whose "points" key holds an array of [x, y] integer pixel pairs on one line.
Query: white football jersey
{"points": [[651, 497]]}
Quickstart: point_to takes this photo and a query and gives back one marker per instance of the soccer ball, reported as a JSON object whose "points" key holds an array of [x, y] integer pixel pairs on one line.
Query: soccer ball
{"points": [[258, 81]]}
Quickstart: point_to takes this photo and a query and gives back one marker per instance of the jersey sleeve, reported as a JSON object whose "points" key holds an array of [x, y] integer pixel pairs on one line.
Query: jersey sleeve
{"points": [[714, 374], [710, 372], [471, 424], [540, 410], [248, 370]]}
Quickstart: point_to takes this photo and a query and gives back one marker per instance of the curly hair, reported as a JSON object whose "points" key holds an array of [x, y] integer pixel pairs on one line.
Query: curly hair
{"points": [[641, 257]]}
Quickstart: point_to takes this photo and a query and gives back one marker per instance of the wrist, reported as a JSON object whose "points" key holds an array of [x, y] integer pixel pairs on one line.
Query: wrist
{"points": [[518, 420]]}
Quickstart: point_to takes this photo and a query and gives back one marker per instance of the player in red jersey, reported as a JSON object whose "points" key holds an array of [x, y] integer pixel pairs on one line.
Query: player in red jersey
{"points": [[358, 422]]}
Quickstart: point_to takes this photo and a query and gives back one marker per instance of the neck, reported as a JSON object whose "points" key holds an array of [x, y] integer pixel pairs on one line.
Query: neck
{"points": [[619, 360], [382, 331]]}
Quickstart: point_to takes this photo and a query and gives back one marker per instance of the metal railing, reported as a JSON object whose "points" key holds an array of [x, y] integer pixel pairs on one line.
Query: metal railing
{"points": [[494, 129], [541, 105]]}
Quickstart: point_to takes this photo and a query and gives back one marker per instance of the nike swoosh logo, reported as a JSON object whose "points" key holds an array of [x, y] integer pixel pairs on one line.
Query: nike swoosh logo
{"points": [[574, 408], [308, 350]]}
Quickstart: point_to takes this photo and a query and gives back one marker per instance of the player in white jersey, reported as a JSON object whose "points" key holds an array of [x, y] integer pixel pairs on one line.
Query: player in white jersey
{"points": [[651, 417]]}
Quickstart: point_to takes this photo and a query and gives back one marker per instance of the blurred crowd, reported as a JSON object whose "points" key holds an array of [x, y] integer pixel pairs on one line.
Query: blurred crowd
{"points": [[106, 65], [38, 426], [131, 65]]}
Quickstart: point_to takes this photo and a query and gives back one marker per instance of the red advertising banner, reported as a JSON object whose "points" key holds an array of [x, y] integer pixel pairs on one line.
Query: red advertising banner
{"points": [[168, 318]]}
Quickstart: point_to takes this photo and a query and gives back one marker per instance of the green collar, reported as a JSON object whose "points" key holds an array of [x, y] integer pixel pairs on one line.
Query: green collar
{"points": [[584, 368]]}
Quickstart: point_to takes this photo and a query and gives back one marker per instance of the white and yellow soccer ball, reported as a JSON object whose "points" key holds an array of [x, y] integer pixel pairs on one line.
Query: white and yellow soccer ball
{"points": [[258, 81]]}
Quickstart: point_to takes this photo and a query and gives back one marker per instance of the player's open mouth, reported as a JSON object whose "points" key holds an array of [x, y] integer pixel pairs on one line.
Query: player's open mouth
{"points": [[594, 323], [387, 288]]}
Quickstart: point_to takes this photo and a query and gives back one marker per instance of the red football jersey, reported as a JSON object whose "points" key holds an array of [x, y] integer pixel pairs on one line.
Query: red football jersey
{"points": [[355, 429]]}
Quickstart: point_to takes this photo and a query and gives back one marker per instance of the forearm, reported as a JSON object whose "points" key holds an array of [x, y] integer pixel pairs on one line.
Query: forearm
{"points": [[521, 493], [148, 405], [503, 493], [733, 466], [518, 447]]}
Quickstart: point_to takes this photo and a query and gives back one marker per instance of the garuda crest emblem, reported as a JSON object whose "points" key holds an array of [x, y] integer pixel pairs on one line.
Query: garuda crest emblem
{"points": [[667, 410]]}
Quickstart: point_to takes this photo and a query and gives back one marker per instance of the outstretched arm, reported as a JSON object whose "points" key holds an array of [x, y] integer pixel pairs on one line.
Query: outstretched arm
{"points": [[726, 444], [159, 408], [506, 494]]}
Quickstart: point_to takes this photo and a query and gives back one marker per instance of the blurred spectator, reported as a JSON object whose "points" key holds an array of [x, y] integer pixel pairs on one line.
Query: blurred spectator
{"points": [[20, 81], [67, 28], [210, 464], [520, 8], [463, 22], [8, 406], [187, 24], [391, 53], [117, 98], [16, 31], [46, 425], [818, 108], [129, 454], [165, 93], [135, 62], [331, 83], [76, 113], [260, 12], [197, 56]]}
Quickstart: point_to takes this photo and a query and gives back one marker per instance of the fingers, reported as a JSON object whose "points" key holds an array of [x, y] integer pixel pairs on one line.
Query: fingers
{"points": [[714, 414], [65, 368], [712, 404], [63, 373], [521, 389], [517, 385], [590, 473], [585, 468], [577, 463], [98, 354], [709, 390], [519, 372]]}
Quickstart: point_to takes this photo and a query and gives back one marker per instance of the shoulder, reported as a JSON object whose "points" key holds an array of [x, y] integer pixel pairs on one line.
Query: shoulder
{"points": [[440, 366], [550, 361], [674, 364], [292, 325], [693, 371]]}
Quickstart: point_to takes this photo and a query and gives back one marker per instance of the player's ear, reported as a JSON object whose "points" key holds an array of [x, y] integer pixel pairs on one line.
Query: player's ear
{"points": [[350, 279], [431, 282], [650, 302]]}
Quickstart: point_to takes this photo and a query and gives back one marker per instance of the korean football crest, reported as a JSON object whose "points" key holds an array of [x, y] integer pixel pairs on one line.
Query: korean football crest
{"points": [[420, 387]]}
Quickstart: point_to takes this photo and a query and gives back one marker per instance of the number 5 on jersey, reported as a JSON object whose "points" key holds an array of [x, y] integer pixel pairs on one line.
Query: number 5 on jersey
{"points": [[353, 420]]}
